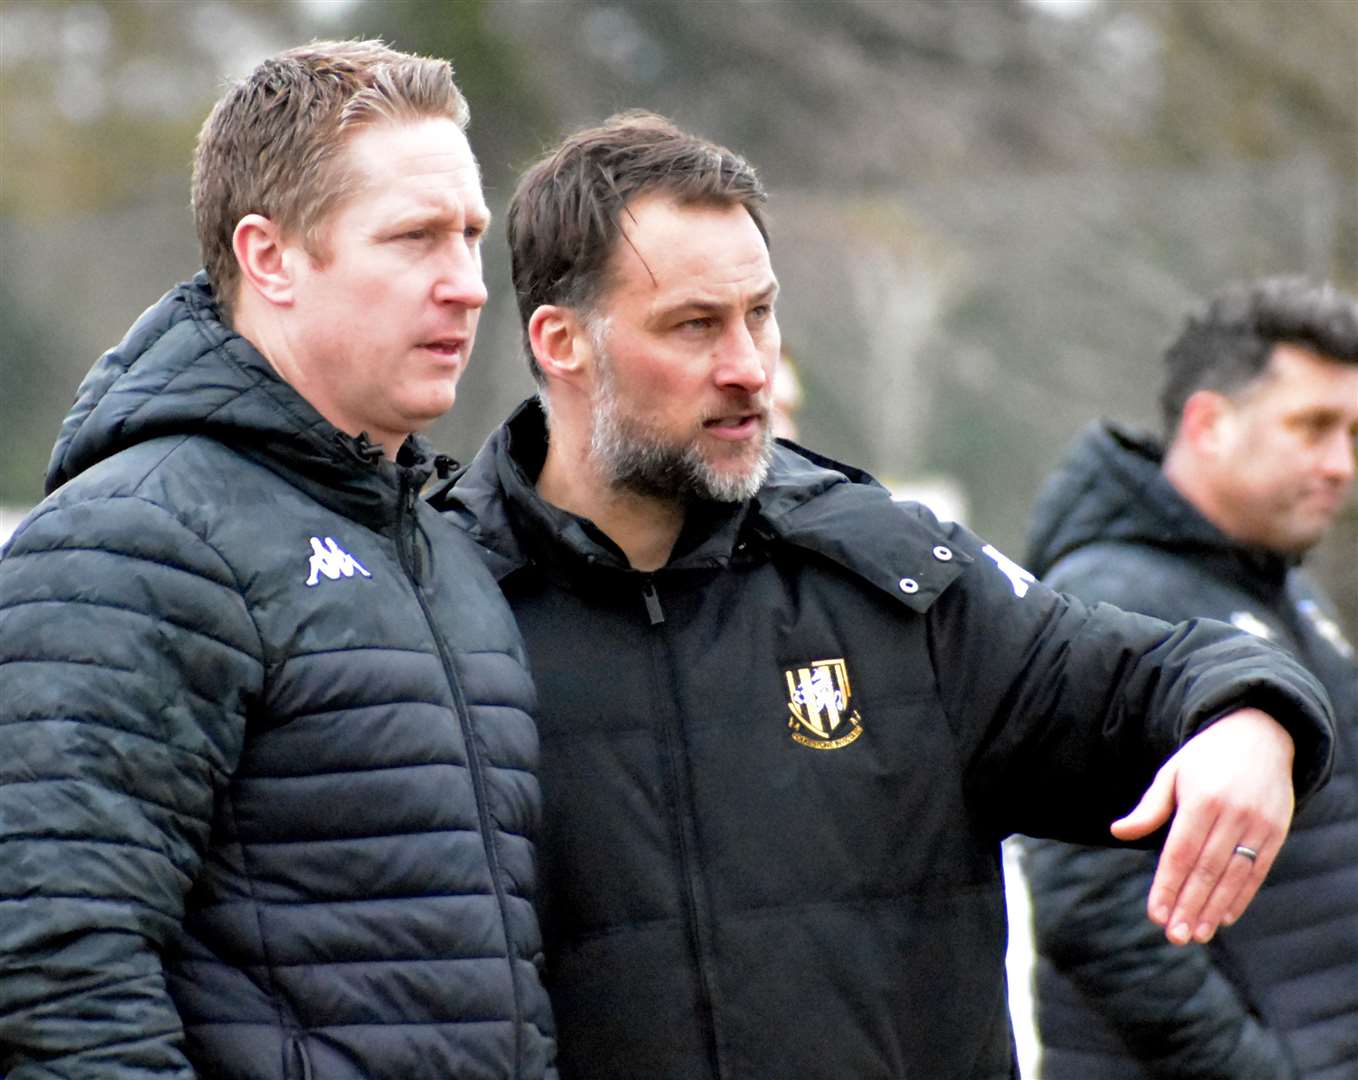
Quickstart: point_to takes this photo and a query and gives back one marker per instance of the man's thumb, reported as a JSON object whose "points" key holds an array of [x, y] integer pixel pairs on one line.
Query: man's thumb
{"points": [[1154, 809]]}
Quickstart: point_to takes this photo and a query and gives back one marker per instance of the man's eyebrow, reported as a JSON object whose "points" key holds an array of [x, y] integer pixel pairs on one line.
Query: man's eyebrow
{"points": [[430, 214], [1328, 413], [697, 303]]}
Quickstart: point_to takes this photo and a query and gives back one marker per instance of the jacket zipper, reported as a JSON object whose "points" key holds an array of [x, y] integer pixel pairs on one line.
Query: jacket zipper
{"points": [[412, 563], [654, 611], [299, 1061], [682, 801]]}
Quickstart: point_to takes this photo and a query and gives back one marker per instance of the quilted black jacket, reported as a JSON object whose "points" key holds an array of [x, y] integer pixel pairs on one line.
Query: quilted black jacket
{"points": [[267, 783], [777, 771], [1276, 995]]}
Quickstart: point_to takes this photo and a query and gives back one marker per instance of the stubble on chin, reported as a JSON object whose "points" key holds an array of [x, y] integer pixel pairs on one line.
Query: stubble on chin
{"points": [[634, 458]]}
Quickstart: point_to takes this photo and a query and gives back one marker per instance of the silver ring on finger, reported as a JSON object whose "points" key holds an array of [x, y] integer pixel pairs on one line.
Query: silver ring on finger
{"points": [[1248, 852]]}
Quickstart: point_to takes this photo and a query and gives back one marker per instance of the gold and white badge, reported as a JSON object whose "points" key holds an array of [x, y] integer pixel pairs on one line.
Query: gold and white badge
{"points": [[820, 699]]}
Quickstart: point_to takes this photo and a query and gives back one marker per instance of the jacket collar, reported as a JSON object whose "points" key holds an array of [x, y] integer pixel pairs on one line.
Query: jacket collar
{"points": [[496, 501], [180, 370], [1110, 486], [808, 501]]}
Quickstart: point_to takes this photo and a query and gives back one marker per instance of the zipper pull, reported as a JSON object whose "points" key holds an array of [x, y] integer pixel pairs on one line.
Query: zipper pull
{"points": [[653, 608], [410, 528]]}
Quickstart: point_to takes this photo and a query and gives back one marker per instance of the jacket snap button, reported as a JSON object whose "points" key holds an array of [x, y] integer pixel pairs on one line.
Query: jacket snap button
{"points": [[942, 554], [909, 585]]}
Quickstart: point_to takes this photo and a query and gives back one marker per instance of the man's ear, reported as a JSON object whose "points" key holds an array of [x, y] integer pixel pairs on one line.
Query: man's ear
{"points": [[560, 341], [1206, 421], [261, 255]]}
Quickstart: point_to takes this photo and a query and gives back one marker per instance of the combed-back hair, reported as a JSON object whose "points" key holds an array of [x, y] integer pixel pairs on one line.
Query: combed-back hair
{"points": [[273, 144], [564, 219], [1228, 343]]}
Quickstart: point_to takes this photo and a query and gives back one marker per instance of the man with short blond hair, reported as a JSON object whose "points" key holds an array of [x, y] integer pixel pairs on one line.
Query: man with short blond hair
{"points": [[785, 720], [267, 789], [275, 145]]}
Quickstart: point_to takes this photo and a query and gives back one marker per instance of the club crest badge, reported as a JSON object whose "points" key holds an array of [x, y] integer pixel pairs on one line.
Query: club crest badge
{"points": [[1326, 627], [820, 700]]}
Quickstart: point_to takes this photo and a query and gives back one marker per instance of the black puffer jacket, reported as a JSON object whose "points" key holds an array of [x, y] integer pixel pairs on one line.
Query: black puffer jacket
{"points": [[266, 760], [777, 771], [1276, 995]]}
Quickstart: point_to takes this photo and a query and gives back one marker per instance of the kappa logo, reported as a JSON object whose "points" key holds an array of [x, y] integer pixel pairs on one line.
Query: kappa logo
{"points": [[820, 700], [1018, 577], [330, 560]]}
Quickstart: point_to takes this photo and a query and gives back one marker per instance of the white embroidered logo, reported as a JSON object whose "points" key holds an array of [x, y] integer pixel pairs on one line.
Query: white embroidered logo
{"points": [[1251, 624], [330, 560], [1018, 577], [819, 692], [1326, 627]]}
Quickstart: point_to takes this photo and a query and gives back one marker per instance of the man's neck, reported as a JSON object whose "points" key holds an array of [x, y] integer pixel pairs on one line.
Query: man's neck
{"points": [[1185, 475], [270, 342], [644, 528]]}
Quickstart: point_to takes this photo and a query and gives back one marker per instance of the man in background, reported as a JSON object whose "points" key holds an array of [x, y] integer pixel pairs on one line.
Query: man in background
{"points": [[786, 399], [1260, 407], [266, 764], [785, 721]]}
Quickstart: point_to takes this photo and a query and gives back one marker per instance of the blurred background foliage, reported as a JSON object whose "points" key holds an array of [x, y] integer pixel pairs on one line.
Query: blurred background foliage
{"points": [[989, 216]]}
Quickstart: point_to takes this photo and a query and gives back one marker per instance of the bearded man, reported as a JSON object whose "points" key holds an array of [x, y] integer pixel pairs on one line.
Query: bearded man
{"points": [[786, 721]]}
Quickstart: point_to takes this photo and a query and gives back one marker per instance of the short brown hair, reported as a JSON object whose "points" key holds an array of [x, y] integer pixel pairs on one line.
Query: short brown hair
{"points": [[564, 217], [1229, 342], [273, 143]]}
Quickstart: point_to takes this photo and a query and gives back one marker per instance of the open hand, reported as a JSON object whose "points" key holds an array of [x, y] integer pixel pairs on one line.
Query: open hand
{"points": [[1229, 787]]}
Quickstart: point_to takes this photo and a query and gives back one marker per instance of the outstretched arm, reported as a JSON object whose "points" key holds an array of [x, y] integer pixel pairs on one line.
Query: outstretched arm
{"points": [[1228, 795], [1066, 718]]}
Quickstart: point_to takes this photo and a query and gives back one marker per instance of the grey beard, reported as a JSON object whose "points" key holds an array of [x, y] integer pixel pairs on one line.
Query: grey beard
{"points": [[631, 458]]}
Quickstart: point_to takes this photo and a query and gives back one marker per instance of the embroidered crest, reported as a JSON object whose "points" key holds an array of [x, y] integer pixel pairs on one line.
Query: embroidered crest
{"points": [[820, 699], [1326, 627], [330, 560]]}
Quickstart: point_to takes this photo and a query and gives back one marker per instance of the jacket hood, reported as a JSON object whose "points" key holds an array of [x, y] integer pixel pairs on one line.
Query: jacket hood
{"points": [[1110, 488], [181, 371]]}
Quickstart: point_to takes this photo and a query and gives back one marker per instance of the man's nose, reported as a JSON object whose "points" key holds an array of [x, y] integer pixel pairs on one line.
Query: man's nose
{"points": [[1341, 456], [460, 280], [743, 362]]}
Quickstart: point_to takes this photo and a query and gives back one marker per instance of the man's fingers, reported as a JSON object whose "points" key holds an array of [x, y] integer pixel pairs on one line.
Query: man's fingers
{"points": [[1241, 881], [1228, 786], [1215, 880], [1183, 881], [1219, 885]]}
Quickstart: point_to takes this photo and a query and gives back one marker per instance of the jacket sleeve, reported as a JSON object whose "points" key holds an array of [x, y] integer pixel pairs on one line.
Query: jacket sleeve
{"points": [[126, 655], [1089, 904], [1178, 1015], [1064, 712]]}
